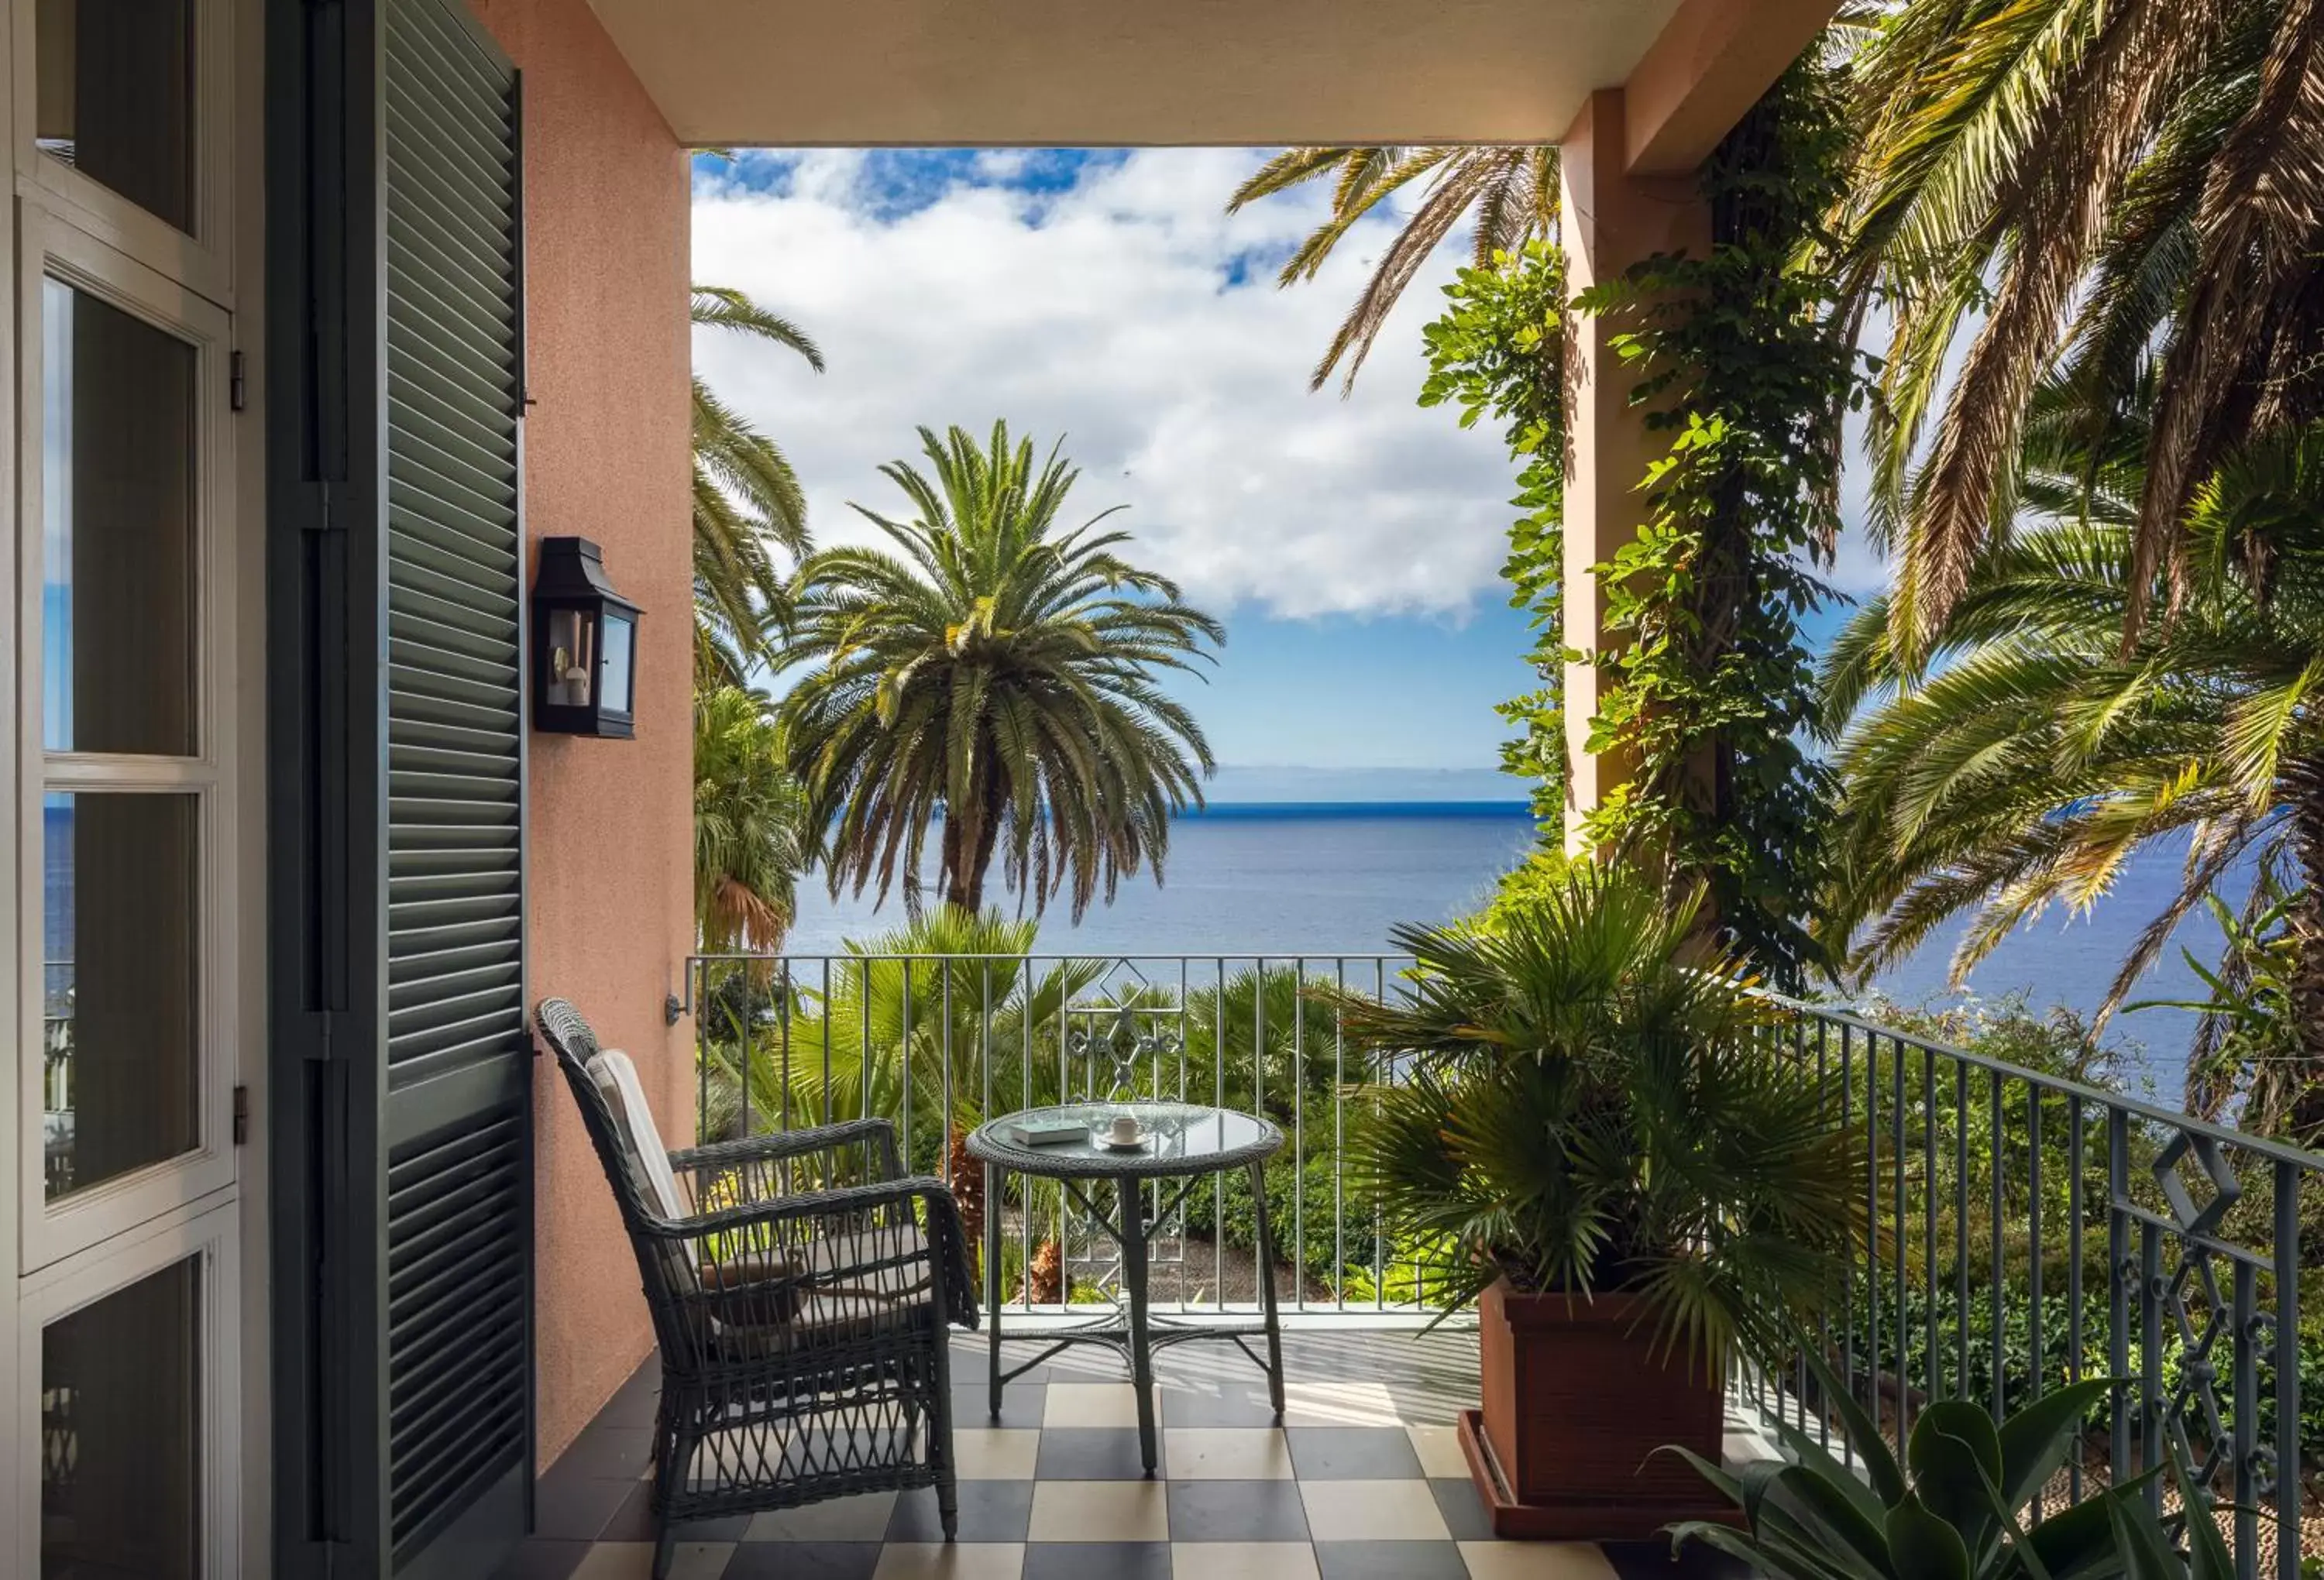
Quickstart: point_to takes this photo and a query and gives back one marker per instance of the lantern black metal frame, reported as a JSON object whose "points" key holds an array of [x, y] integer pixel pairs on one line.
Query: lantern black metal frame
{"points": [[575, 670]]}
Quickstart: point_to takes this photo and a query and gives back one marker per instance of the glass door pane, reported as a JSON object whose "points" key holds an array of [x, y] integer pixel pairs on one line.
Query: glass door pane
{"points": [[120, 1433], [119, 661], [116, 97], [122, 1057]]}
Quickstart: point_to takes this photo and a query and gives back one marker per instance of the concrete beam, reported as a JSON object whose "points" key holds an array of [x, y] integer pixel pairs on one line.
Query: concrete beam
{"points": [[1709, 65]]}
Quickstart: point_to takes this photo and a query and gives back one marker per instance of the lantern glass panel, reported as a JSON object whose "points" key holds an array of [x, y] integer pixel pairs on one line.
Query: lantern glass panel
{"points": [[572, 645], [614, 666]]}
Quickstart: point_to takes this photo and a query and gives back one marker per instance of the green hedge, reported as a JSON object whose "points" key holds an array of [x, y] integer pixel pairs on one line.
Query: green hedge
{"points": [[2017, 1378], [1205, 1213]]}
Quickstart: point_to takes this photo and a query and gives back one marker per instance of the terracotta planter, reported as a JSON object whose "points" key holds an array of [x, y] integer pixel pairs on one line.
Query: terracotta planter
{"points": [[1575, 1404]]}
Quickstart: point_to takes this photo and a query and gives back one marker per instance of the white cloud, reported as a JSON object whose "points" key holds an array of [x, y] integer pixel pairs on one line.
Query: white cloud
{"points": [[1105, 312]]}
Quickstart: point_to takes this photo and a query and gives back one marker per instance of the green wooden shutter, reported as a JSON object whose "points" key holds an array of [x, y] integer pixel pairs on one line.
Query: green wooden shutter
{"points": [[459, 1169], [405, 1366]]}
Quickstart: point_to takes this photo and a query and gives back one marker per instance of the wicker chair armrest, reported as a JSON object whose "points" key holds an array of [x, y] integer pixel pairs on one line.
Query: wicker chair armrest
{"points": [[844, 1209], [792, 1143]]}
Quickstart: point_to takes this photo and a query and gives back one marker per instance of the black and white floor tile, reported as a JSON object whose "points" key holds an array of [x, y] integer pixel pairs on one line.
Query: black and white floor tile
{"points": [[1362, 1480]]}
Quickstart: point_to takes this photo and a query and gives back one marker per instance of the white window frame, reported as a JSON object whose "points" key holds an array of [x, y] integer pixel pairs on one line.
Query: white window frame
{"points": [[86, 1218], [204, 259], [209, 1231]]}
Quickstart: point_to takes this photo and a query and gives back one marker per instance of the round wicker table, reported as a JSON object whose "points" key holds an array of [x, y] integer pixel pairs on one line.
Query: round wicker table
{"points": [[1184, 1142]]}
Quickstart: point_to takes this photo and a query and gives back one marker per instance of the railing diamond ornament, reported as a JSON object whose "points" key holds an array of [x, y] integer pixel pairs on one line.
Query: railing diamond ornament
{"points": [[2201, 1323], [1126, 1035], [1116, 1038]]}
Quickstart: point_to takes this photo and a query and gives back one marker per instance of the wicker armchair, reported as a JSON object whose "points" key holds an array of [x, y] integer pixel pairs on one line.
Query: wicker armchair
{"points": [[801, 1288]]}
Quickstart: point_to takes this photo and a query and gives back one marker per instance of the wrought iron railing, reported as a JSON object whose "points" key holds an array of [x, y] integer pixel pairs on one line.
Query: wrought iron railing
{"points": [[2025, 1230], [56, 1074], [936, 1043], [2021, 1229]]}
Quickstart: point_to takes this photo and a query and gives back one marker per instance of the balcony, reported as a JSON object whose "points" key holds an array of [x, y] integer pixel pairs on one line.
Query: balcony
{"points": [[2116, 1239]]}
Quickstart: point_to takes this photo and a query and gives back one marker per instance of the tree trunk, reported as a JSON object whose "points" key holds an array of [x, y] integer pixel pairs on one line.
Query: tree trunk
{"points": [[2304, 1114], [966, 1176], [964, 869], [968, 852]]}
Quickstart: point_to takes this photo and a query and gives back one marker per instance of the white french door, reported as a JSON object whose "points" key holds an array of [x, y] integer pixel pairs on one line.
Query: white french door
{"points": [[123, 1407]]}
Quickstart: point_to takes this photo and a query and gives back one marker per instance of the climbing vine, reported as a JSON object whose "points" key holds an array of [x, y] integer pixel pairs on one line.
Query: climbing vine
{"points": [[1498, 350], [1708, 683]]}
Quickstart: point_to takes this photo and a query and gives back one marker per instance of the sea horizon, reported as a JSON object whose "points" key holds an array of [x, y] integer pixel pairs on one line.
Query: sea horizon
{"points": [[1326, 879]]}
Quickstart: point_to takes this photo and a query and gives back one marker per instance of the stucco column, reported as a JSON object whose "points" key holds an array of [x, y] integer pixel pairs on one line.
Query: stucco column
{"points": [[1611, 219]]}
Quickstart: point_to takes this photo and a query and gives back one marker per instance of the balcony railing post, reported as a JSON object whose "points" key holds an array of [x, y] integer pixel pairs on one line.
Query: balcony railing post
{"points": [[1936, 1367], [1996, 1097], [697, 986], [1903, 1240], [1960, 1228], [2288, 1183], [1298, 1134], [944, 1085], [2075, 1143], [2247, 1330], [749, 969], [2119, 1275], [1848, 1285], [2151, 1433], [2033, 1303]]}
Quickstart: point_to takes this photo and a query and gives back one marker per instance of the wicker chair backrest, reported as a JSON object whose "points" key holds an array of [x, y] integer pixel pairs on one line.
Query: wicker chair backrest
{"points": [[665, 1265]]}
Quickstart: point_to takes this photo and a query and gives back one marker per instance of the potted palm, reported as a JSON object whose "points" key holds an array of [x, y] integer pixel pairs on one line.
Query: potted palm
{"points": [[1583, 1128]]}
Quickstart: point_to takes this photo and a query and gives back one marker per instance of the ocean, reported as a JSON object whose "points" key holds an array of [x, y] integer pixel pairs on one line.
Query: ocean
{"points": [[1328, 879]]}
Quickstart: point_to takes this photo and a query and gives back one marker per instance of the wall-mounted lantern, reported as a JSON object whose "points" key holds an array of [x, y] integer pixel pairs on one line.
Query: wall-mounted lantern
{"points": [[584, 644]]}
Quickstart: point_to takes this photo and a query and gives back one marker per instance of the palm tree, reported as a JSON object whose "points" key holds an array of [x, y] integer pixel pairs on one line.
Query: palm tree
{"points": [[1512, 190], [2083, 188], [749, 828], [747, 502], [2042, 754], [995, 670]]}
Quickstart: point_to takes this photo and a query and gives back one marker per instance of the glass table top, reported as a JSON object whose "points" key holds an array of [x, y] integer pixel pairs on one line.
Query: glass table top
{"points": [[1175, 1138]]}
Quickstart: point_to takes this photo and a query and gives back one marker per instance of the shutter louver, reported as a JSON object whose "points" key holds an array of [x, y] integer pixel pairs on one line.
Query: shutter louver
{"points": [[458, 1056]]}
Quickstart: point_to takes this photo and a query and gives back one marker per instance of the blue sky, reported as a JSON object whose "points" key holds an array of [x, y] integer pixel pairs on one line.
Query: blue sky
{"points": [[1353, 547]]}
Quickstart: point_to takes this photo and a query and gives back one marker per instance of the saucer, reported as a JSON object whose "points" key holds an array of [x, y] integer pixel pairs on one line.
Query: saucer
{"points": [[1106, 1140]]}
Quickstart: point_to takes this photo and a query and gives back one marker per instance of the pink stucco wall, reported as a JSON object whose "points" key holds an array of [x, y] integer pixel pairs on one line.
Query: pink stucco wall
{"points": [[606, 448]]}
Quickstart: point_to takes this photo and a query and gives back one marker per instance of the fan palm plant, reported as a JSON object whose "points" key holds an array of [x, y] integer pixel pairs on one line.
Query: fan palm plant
{"points": [[929, 1018], [995, 672], [2082, 189], [747, 502], [2042, 753], [1511, 189], [932, 1026], [750, 829], [1580, 1099]]}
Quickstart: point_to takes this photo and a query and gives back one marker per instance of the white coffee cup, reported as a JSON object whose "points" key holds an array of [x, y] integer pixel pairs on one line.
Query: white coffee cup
{"points": [[1124, 1131]]}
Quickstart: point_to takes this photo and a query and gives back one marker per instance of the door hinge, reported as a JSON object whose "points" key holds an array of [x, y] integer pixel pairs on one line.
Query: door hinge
{"points": [[237, 387], [241, 1116]]}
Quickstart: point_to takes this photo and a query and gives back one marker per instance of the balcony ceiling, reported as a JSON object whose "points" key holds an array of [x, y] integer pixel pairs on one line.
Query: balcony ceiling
{"points": [[1094, 72]]}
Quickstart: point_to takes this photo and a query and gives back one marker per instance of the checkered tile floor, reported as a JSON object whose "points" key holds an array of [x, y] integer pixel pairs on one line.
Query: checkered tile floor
{"points": [[1362, 1479]]}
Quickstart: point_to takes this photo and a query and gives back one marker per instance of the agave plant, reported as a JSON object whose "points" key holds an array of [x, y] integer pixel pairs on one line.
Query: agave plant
{"points": [[1581, 1098], [1956, 1508]]}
